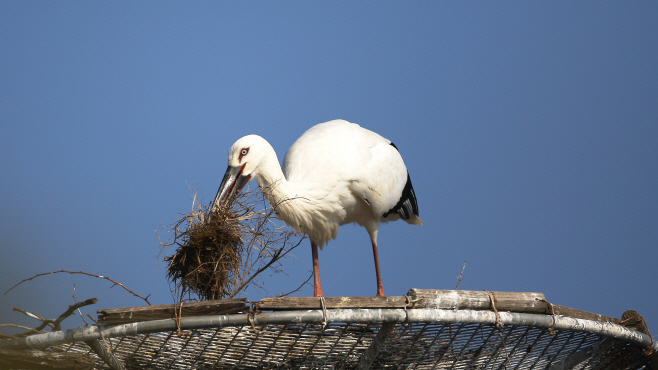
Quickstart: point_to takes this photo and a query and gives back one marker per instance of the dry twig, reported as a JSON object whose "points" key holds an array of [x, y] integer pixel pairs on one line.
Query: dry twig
{"points": [[28, 332], [80, 312], [460, 275], [82, 273], [71, 310], [54, 324], [298, 288], [33, 316]]}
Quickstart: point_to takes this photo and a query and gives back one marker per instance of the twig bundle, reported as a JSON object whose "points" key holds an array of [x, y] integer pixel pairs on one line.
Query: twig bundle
{"points": [[208, 253], [220, 253]]}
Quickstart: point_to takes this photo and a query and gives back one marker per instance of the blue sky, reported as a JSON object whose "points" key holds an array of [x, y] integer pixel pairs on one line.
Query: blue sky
{"points": [[529, 130]]}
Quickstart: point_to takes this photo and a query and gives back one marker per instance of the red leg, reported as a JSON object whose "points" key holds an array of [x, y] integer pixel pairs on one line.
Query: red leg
{"points": [[380, 286], [317, 285]]}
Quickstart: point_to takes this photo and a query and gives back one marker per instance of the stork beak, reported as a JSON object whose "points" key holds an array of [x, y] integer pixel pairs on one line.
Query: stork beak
{"points": [[232, 183]]}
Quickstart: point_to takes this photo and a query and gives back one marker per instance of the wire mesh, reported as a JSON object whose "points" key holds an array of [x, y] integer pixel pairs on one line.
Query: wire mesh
{"points": [[621, 356], [341, 346]]}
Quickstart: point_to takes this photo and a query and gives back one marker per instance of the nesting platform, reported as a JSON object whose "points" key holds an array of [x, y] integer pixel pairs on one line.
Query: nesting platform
{"points": [[426, 329]]}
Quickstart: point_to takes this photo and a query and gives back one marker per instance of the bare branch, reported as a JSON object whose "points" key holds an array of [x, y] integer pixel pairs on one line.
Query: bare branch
{"points": [[80, 312], [35, 316], [460, 275], [255, 274], [72, 309], [54, 324], [300, 287], [94, 320], [29, 331], [82, 273]]}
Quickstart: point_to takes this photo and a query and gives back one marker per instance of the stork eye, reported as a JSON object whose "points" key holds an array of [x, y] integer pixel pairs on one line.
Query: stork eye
{"points": [[243, 152]]}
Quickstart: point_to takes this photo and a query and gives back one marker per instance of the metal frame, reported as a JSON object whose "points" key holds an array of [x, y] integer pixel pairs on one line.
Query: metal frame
{"points": [[334, 316]]}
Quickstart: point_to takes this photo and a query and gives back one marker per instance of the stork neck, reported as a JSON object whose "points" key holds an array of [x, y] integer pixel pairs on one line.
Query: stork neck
{"points": [[307, 208], [272, 182]]}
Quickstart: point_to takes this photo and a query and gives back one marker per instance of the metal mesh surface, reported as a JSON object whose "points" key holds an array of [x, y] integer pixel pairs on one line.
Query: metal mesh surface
{"points": [[341, 346], [621, 356]]}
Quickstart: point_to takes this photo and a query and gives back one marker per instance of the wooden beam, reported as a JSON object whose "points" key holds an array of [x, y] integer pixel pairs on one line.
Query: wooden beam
{"points": [[305, 303], [523, 302], [420, 298], [478, 300], [166, 311], [578, 314]]}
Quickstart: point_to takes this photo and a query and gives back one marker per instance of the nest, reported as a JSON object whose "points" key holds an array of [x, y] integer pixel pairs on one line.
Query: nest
{"points": [[221, 253]]}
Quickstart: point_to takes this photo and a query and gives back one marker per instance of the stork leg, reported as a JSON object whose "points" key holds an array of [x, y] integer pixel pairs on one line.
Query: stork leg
{"points": [[380, 286], [317, 285]]}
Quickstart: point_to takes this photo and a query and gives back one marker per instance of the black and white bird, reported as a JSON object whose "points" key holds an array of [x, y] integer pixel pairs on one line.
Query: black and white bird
{"points": [[336, 173]]}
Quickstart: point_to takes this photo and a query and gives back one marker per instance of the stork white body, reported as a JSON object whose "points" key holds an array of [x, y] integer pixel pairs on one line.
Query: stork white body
{"points": [[336, 173]]}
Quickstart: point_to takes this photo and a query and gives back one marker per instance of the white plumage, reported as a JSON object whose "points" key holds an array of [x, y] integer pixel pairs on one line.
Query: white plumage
{"points": [[336, 173]]}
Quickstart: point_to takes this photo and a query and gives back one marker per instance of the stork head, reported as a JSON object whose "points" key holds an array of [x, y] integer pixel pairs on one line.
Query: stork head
{"points": [[244, 157]]}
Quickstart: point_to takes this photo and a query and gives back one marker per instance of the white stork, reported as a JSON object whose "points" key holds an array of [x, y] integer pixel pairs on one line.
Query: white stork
{"points": [[336, 173]]}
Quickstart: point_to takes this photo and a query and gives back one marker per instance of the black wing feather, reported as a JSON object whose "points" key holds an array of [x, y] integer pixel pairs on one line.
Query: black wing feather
{"points": [[407, 205]]}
